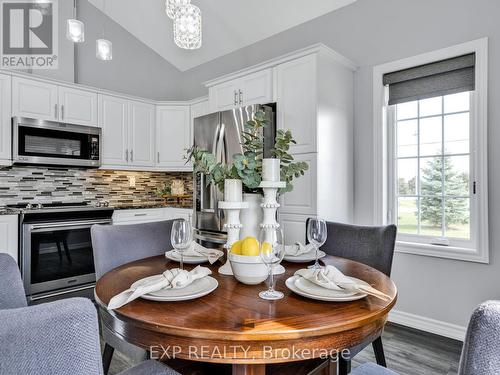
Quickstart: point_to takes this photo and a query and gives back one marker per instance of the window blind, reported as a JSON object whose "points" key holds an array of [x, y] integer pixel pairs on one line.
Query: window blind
{"points": [[439, 78]]}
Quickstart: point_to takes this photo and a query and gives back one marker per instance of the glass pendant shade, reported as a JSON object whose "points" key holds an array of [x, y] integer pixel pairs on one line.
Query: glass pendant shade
{"points": [[75, 31], [187, 27], [173, 5], [104, 49]]}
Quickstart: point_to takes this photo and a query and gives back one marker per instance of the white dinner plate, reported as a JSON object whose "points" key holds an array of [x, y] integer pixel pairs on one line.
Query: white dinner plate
{"points": [[299, 285], [196, 289], [305, 258], [176, 257]]}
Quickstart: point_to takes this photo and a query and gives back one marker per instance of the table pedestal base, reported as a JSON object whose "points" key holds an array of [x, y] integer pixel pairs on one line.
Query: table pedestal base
{"points": [[249, 370]]}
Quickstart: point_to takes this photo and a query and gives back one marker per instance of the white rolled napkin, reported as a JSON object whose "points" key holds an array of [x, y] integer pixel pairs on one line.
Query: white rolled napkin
{"points": [[171, 279], [196, 250], [298, 249], [330, 277]]}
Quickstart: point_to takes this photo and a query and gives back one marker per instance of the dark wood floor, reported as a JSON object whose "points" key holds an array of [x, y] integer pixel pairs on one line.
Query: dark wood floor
{"points": [[408, 352]]}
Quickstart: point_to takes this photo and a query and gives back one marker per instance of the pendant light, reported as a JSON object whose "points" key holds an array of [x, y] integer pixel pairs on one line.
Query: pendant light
{"points": [[173, 5], [104, 47], [187, 27], [75, 30]]}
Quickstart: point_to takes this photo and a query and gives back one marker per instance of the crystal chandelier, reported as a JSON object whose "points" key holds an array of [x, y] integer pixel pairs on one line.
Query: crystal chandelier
{"points": [[173, 5], [187, 27], [75, 30]]}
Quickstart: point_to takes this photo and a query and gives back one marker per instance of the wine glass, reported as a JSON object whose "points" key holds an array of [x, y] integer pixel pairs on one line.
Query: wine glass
{"points": [[272, 251], [181, 237], [316, 234]]}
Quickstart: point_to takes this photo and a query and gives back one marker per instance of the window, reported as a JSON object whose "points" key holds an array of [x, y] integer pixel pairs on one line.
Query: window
{"points": [[432, 169], [430, 162]]}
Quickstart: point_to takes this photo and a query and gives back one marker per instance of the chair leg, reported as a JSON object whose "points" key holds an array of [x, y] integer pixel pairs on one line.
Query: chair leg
{"points": [[107, 356], [378, 348], [344, 366]]}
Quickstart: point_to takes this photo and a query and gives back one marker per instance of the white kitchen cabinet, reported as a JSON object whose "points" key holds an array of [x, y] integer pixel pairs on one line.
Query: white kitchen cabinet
{"points": [[141, 134], [5, 120], [114, 119], [294, 227], [9, 235], [224, 96], [173, 137], [296, 95], [148, 215], [77, 106], [34, 99], [254, 88], [303, 198]]}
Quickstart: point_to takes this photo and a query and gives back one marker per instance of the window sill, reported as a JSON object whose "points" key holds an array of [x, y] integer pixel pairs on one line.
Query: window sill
{"points": [[447, 252]]}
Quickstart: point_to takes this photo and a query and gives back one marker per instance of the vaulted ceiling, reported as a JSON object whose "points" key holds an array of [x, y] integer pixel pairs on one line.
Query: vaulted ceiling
{"points": [[228, 25]]}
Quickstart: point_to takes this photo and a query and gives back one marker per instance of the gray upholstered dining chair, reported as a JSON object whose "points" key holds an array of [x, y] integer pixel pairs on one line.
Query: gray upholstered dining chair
{"points": [[115, 245], [373, 246], [55, 338], [480, 353]]}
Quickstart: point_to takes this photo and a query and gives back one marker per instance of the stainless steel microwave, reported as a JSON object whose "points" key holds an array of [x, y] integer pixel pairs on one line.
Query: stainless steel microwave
{"points": [[55, 143]]}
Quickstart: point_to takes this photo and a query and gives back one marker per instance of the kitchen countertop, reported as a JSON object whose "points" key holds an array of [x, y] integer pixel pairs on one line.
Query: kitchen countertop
{"points": [[128, 206], [125, 206]]}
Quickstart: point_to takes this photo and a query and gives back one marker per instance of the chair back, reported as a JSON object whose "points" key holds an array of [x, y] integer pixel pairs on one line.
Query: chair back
{"points": [[12, 294], [373, 246], [481, 350], [55, 338], [115, 245]]}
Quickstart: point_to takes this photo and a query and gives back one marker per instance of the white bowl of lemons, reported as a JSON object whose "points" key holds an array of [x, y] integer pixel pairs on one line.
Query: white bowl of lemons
{"points": [[246, 262]]}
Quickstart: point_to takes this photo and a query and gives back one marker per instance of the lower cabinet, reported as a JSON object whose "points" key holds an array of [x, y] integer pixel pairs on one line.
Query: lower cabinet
{"points": [[294, 227], [148, 215], [9, 235]]}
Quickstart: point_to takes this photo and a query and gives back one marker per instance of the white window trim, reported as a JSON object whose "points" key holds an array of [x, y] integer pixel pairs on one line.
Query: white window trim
{"points": [[381, 157]]}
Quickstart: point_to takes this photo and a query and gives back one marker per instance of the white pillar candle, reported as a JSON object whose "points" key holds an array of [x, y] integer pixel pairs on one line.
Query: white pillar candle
{"points": [[233, 190], [271, 170]]}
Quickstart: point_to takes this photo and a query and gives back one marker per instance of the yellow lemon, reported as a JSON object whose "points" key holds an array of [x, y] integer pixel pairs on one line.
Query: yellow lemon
{"points": [[236, 248], [250, 247], [267, 248]]}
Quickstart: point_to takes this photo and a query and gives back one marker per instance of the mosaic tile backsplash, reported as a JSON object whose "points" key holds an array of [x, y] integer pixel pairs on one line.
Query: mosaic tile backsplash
{"points": [[20, 184]]}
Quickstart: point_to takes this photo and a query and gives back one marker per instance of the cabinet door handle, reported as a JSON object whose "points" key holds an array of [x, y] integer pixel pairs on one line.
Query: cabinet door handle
{"points": [[62, 112], [235, 97], [126, 155], [132, 155], [241, 96], [158, 156], [55, 110]]}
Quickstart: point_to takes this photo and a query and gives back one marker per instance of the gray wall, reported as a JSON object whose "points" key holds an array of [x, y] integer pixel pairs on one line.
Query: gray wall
{"points": [[135, 68], [371, 32]]}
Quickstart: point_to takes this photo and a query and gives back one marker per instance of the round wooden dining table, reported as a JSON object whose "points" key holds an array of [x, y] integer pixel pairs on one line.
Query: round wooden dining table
{"points": [[232, 325]]}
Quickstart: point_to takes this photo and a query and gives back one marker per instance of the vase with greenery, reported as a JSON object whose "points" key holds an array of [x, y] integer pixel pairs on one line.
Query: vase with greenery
{"points": [[247, 166]]}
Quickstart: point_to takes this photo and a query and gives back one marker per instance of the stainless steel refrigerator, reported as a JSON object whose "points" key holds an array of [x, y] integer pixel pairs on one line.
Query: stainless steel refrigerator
{"points": [[221, 134]]}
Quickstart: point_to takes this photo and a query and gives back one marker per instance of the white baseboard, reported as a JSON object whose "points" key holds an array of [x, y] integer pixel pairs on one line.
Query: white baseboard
{"points": [[422, 323]]}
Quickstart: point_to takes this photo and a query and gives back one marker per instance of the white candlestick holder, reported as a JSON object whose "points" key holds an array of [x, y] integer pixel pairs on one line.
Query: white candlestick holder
{"points": [[232, 226], [270, 207]]}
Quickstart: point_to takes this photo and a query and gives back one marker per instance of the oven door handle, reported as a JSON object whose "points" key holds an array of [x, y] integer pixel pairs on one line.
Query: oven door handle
{"points": [[62, 225]]}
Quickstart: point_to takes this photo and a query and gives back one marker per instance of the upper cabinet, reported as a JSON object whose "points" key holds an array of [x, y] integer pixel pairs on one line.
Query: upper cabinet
{"points": [[142, 134], [46, 101], [173, 137], [77, 106], [296, 95], [254, 88], [34, 99], [5, 123], [114, 119]]}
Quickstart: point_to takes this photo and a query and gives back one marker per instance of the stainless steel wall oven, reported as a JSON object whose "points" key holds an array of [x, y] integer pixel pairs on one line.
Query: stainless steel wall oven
{"points": [[56, 249]]}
